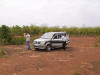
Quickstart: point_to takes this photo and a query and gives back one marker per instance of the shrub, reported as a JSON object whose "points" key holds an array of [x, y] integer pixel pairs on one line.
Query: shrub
{"points": [[2, 52], [96, 44], [18, 41], [5, 35]]}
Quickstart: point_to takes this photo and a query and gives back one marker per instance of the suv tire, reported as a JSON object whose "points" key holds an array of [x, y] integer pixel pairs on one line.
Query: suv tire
{"points": [[48, 48], [36, 49]]}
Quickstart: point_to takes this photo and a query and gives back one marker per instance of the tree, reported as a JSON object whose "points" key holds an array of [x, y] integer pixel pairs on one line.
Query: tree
{"points": [[16, 30], [5, 35]]}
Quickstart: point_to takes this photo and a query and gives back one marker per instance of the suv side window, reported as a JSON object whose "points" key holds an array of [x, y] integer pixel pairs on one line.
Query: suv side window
{"points": [[55, 36], [59, 36]]}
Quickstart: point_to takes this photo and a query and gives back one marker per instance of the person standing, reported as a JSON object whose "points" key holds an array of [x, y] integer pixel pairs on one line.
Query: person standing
{"points": [[64, 39], [27, 35]]}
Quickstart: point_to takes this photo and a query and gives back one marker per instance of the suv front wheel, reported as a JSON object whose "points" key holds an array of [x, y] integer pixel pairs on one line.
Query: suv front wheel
{"points": [[48, 48], [36, 49]]}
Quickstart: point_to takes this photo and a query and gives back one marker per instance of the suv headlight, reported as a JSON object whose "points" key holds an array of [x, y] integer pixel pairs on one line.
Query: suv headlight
{"points": [[37, 42]]}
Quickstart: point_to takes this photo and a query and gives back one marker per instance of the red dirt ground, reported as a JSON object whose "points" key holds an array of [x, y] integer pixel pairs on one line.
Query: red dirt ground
{"points": [[82, 57]]}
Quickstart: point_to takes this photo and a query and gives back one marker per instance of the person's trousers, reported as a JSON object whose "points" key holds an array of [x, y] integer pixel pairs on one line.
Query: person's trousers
{"points": [[28, 45], [64, 45]]}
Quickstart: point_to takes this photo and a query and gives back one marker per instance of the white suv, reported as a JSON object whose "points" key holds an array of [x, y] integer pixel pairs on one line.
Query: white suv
{"points": [[50, 40]]}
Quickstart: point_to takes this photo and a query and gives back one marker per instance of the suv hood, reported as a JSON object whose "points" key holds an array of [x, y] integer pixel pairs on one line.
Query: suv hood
{"points": [[41, 39]]}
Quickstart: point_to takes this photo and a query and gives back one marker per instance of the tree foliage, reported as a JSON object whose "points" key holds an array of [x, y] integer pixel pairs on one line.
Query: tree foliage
{"points": [[5, 34]]}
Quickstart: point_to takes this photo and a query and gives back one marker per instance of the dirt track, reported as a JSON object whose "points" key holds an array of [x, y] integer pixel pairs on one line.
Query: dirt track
{"points": [[81, 56]]}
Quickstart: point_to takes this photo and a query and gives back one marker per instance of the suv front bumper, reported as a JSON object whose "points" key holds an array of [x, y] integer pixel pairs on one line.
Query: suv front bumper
{"points": [[39, 46]]}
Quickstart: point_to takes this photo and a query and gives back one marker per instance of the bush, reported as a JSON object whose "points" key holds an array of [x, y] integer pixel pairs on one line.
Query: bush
{"points": [[5, 35], [2, 53], [18, 41]]}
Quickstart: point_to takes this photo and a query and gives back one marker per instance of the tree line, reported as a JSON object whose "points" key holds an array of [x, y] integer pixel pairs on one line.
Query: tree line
{"points": [[37, 30], [8, 34]]}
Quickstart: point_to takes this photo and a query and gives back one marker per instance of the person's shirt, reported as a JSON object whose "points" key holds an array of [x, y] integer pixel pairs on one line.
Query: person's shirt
{"points": [[28, 37], [64, 38]]}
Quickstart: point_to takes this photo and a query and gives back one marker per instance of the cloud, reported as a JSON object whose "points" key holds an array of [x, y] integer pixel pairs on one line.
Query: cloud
{"points": [[51, 12]]}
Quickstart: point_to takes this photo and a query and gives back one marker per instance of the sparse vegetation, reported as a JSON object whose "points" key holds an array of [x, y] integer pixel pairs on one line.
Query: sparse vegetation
{"points": [[98, 39], [96, 44], [76, 73], [2, 52]]}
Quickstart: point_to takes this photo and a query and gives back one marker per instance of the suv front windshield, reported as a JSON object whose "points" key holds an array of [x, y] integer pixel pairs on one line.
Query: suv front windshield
{"points": [[47, 36]]}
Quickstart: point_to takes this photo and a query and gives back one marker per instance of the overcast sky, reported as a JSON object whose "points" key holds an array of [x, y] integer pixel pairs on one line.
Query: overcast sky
{"points": [[50, 12]]}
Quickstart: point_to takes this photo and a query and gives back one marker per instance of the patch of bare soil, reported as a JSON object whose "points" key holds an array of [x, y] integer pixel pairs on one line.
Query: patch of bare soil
{"points": [[81, 56]]}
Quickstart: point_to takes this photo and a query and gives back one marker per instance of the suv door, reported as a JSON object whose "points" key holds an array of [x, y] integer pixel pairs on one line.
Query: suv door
{"points": [[57, 41]]}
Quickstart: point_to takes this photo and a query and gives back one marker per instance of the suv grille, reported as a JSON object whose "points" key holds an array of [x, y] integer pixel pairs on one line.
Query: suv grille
{"points": [[37, 42]]}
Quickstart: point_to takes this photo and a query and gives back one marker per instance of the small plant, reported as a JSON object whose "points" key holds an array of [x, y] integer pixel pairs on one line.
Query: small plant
{"points": [[96, 45], [97, 42], [98, 39], [76, 73], [2, 52]]}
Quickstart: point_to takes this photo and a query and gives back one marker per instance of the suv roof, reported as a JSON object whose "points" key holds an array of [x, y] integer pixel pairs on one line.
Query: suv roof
{"points": [[56, 32]]}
